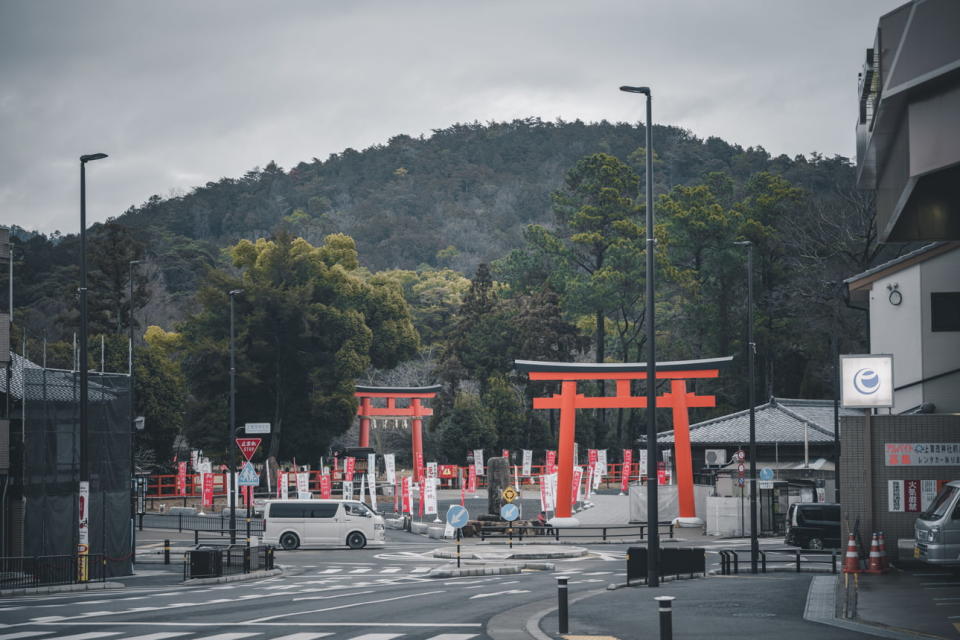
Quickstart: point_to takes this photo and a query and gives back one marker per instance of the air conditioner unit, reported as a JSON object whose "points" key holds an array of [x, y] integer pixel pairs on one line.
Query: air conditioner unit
{"points": [[715, 457]]}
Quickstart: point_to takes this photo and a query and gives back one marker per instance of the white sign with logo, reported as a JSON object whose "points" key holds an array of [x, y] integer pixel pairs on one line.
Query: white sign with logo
{"points": [[527, 461], [430, 496], [478, 460], [642, 463], [866, 381]]}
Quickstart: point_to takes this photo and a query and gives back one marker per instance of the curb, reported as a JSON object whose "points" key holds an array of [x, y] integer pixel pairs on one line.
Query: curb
{"points": [[63, 588], [238, 577], [490, 571]]}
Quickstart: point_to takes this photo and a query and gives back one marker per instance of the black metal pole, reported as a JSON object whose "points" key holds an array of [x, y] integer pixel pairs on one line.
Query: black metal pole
{"points": [[133, 431], [562, 613], [751, 357], [835, 354], [665, 608], [231, 457], [82, 366]]}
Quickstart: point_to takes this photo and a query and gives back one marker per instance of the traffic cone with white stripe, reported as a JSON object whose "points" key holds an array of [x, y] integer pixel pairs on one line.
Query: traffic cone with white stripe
{"points": [[884, 562], [874, 565], [851, 563]]}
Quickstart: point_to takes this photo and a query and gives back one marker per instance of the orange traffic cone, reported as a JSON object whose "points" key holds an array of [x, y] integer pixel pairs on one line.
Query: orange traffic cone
{"points": [[884, 563], [874, 565], [851, 563]]}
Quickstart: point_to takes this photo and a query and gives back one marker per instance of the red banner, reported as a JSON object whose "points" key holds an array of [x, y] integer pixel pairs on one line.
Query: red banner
{"points": [[418, 463], [577, 479], [472, 479], [206, 497], [405, 490], [326, 487], [506, 453], [592, 455], [551, 462], [348, 469], [423, 497], [663, 475], [625, 474], [448, 471], [181, 478]]}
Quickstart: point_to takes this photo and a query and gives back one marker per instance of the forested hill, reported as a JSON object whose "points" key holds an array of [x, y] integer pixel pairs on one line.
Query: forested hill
{"points": [[461, 196]]}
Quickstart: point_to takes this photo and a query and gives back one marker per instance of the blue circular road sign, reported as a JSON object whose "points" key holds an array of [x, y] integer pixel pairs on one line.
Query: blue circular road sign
{"points": [[766, 474], [509, 512], [457, 516]]}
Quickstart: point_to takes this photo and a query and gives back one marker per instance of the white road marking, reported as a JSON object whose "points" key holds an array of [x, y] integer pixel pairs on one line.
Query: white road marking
{"points": [[163, 635], [229, 636], [598, 573], [90, 636], [454, 636], [303, 636], [345, 606], [339, 595], [280, 624], [24, 634], [361, 571], [421, 569], [392, 570], [498, 593], [377, 636]]}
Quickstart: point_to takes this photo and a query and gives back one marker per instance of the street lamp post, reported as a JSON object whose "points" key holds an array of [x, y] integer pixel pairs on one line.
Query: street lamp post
{"points": [[133, 429], [231, 449], [83, 539], [653, 544], [751, 375]]}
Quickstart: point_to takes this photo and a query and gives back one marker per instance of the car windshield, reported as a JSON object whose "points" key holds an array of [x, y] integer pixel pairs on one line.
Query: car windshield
{"points": [[940, 504]]}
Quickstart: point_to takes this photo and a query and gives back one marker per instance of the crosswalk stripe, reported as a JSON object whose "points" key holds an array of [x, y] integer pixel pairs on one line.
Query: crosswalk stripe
{"points": [[421, 570], [158, 636], [453, 636], [24, 634], [377, 636], [228, 636], [360, 571], [303, 636], [392, 570], [89, 636]]}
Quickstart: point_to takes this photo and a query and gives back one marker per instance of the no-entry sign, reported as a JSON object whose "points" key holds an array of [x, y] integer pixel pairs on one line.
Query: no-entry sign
{"points": [[248, 446]]}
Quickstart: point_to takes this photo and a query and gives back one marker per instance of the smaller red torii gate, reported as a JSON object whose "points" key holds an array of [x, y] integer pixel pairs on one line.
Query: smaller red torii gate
{"points": [[568, 401], [414, 410]]}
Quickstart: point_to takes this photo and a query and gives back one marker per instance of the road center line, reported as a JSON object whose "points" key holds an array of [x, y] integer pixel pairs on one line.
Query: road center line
{"points": [[345, 606]]}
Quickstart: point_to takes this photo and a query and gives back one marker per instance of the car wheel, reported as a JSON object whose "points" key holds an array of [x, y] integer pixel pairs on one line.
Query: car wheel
{"points": [[815, 544], [356, 540], [289, 541]]}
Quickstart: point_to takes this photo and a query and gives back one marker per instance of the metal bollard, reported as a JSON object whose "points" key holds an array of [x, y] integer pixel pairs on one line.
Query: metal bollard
{"points": [[166, 552], [562, 623], [666, 616]]}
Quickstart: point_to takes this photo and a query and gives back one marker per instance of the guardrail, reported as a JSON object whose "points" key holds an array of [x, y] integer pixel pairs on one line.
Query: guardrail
{"points": [[604, 532], [27, 572], [730, 560], [186, 522]]}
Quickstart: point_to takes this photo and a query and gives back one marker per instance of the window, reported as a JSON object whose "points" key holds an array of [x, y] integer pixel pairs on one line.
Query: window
{"points": [[285, 510], [326, 510], [945, 311]]}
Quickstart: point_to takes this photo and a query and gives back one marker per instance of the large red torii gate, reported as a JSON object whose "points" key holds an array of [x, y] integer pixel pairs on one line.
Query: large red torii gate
{"points": [[568, 401], [415, 410]]}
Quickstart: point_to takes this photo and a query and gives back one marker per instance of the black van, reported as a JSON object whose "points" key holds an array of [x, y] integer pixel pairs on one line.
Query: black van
{"points": [[813, 525]]}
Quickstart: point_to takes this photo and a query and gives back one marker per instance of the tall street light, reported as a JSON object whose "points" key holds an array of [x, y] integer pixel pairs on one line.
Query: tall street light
{"points": [[83, 538], [231, 449], [653, 544], [133, 429], [751, 375]]}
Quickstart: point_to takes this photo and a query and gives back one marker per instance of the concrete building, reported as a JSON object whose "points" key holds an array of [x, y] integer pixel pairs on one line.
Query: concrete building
{"points": [[908, 141]]}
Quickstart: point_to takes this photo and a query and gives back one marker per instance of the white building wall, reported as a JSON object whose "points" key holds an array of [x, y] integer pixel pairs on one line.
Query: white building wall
{"points": [[895, 329], [941, 349]]}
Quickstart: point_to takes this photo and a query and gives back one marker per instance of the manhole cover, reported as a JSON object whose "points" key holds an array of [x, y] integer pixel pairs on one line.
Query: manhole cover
{"points": [[754, 614]]}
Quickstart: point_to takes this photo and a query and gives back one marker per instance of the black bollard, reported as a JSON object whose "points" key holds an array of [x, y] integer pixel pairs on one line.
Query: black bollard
{"points": [[562, 604], [166, 552], [666, 616]]}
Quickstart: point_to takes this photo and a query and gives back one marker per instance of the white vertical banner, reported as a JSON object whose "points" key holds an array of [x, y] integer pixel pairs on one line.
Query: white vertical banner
{"points": [[371, 464], [928, 491], [527, 462], [432, 470], [601, 463], [348, 490], [516, 478], [430, 496], [303, 482], [576, 453], [642, 462], [478, 460], [373, 491], [591, 476], [390, 468], [363, 486], [552, 493], [544, 493], [596, 477], [895, 496], [195, 460], [284, 486]]}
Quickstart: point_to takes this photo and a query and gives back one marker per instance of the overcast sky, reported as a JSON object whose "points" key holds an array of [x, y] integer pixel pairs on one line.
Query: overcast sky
{"points": [[181, 92]]}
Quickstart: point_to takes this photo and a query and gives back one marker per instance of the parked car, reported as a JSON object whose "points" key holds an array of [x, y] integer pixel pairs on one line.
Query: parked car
{"points": [[937, 530], [813, 525]]}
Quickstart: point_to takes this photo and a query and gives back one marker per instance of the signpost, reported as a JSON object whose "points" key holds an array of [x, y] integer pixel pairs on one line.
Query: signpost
{"points": [[509, 512], [248, 476], [257, 427], [457, 517]]}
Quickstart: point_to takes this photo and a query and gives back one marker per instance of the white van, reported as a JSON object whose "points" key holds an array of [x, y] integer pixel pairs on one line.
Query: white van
{"points": [[937, 530], [306, 523]]}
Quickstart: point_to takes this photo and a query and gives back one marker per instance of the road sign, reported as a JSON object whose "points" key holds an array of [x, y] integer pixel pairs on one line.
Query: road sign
{"points": [[248, 446], [509, 494], [766, 474], [457, 516], [248, 476], [509, 512], [257, 427], [741, 455]]}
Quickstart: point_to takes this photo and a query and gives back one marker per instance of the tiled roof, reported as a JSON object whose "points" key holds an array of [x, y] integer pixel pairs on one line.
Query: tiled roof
{"points": [[779, 421], [61, 385]]}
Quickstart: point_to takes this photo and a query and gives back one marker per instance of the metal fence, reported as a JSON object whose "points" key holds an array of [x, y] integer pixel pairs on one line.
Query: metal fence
{"points": [[795, 558], [28, 572], [185, 522], [594, 532], [210, 561]]}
